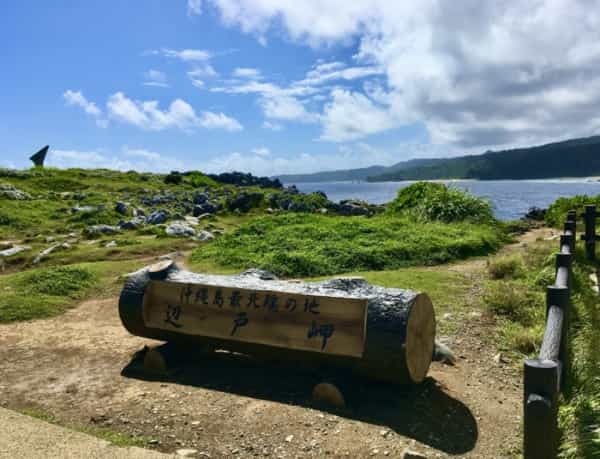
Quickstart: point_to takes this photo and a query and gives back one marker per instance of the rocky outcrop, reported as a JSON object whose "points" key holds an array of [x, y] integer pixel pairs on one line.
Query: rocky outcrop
{"points": [[99, 230], [180, 229], [8, 191], [157, 217]]}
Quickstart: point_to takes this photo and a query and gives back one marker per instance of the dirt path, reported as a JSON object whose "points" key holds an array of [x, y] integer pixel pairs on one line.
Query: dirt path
{"points": [[77, 367]]}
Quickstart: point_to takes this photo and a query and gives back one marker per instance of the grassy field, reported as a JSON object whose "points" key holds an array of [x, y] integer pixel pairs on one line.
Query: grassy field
{"points": [[46, 292], [313, 245]]}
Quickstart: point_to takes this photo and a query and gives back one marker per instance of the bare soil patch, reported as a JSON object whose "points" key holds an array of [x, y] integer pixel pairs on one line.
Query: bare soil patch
{"points": [[79, 368]]}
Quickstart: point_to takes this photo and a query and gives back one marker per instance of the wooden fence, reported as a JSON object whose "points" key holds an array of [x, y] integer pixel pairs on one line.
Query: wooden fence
{"points": [[547, 376]]}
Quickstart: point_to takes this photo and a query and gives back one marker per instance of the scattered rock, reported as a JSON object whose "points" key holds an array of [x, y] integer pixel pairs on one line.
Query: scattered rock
{"points": [[85, 209], [535, 213], [157, 217], [200, 198], [499, 358], [352, 207], [97, 230], [139, 212], [205, 236], [408, 454], [187, 452], [443, 354], [44, 253], [14, 250], [111, 244], [133, 224], [180, 229], [122, 208], [8, 191], [289, 438], [205, 208]]}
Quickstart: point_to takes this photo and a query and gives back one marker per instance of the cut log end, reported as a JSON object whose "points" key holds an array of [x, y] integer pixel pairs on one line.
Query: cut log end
{"points": [[329, 394], [420, 338]]}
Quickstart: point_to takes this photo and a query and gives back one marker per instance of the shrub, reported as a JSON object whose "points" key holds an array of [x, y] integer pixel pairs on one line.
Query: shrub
{"points": [[61, 281], [557, 212], [174, 178], [429, 201], [507, 267]]}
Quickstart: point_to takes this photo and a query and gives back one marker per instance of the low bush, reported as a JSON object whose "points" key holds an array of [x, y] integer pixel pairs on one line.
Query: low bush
{"points": [[557, 212], [430, 201], [507, 267], [59, 281]]}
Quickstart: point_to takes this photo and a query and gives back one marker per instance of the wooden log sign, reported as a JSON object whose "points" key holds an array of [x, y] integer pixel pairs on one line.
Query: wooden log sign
{"points": [[386, 334], [333, 325]]}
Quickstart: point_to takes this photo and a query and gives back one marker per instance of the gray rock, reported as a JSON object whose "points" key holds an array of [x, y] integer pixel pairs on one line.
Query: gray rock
{"points": [[8, 191], [200, 198], [44, 253], [133, 224], [206, 208], [14, 250], [157, 217], [85, 209], [352, 207], [408, 454], [187, 452], [139, 212], [122, 208], [111, 244], [180, 229], [205, 236], [443, 354], [97, 230]]}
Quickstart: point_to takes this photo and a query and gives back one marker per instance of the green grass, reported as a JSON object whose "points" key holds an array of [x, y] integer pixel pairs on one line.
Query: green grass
{"points": [[314, 245], [112, 436], [555, 216], [580, 412], [515, 294], [46, 292]]}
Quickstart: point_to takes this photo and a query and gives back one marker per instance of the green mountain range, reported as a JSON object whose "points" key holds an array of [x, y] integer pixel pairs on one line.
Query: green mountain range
{"points": [[570, 158]]}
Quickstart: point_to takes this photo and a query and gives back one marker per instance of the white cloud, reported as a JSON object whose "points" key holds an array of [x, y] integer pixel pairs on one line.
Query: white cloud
{"points": [[194, 7], [155, 78], [261, 151], [212, 120], [247, 72], [276, 102], [477, 74], [78, 99], [273, 126], [186, 55], [179, 114], [137, 159], [352, 115]]}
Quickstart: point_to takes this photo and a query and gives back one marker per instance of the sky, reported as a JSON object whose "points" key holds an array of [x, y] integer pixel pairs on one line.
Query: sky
{"points": [[289, 86]]}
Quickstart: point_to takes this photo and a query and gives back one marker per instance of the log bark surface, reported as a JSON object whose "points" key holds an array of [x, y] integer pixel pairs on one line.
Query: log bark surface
{"points": [[400, 324]]}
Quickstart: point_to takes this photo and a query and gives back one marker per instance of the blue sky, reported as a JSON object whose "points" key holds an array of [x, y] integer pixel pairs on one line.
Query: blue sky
{"points": [[286, 86]]}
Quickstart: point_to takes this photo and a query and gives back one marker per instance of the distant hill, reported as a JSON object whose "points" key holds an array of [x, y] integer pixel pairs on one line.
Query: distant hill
{"points": [[570, 158], [346, 175]]}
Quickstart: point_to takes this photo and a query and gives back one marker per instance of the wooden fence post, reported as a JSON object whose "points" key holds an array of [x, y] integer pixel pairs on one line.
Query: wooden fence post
{"points": [[540, 439], [590, 231], [560, 296]]}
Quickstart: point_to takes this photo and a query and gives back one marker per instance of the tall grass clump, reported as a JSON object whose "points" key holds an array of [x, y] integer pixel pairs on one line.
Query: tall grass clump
{"points": [[429, 201]]}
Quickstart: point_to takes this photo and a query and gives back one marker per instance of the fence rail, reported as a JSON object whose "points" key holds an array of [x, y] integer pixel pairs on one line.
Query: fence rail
{"points": [[547, 376]]}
